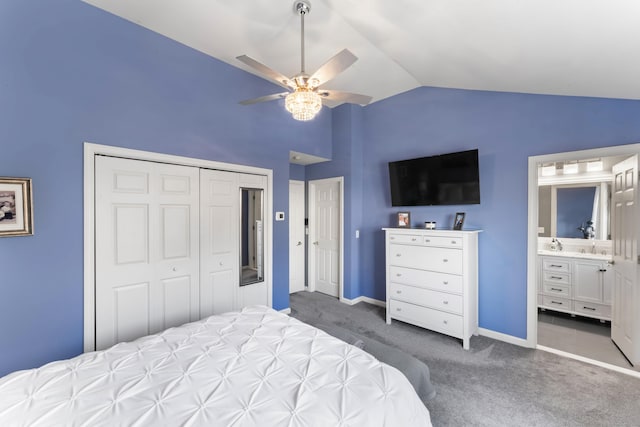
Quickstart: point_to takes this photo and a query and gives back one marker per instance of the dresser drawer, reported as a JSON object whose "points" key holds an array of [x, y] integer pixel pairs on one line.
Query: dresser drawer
{"points": [[552, 289], [591, 309], [427, 297], [426, 279], [412, 239], [556, 302], [553, 264], [553, 277], [426, 258], [443, 242], [439, 321]]}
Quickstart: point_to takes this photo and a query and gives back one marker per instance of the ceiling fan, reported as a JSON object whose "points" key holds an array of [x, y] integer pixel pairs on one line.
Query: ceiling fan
{"points": [[305, 97]]}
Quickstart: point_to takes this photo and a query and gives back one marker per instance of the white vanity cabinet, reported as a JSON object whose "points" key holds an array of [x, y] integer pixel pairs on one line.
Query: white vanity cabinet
{"points": [[432, 280], [576, 286]]}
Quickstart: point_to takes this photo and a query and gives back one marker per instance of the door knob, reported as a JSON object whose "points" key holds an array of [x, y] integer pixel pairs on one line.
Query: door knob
{"points": [[299, 243], [315, 243]]}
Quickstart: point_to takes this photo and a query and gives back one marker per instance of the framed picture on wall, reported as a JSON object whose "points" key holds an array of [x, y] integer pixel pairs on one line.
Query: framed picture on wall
{"points": [[458, 221], [404, 220], [16, 207]]}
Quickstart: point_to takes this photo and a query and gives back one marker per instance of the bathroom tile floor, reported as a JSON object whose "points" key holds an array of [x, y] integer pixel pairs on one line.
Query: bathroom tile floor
{"points": [[580, 335]]}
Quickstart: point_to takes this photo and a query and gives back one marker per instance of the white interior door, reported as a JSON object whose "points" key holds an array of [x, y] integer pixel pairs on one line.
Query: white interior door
{"points": [[325, 220], [625, 323], [296, 236], [146, 248], [219, 241]]}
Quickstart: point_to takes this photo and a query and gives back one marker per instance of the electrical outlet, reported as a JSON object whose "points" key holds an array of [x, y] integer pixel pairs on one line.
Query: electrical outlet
{"points": [[279, 216]]}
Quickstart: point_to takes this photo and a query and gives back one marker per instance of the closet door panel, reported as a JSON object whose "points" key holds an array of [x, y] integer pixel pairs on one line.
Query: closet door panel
{"points": [[219, 241], [146, 244]]}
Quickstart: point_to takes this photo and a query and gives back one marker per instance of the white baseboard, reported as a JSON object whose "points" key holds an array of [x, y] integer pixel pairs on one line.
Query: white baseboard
{"points": [[285, 310], [503, 337], [364, 299], [590, 361]]}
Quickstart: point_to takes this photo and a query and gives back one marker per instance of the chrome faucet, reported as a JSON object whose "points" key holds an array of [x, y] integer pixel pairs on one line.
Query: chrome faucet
{"points": [[556, 245]]}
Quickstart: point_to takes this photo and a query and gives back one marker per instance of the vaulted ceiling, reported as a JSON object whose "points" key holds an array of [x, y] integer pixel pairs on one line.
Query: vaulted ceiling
{"points": [[560, 47]]}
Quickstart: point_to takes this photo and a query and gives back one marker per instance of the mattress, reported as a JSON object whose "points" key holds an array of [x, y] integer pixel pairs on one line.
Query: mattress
{"points": [[256, 367]]}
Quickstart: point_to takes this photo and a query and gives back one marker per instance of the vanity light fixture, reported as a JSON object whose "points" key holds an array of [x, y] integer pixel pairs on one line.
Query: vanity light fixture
{"points": [[570, 168], [549, 170], [595, 166]]}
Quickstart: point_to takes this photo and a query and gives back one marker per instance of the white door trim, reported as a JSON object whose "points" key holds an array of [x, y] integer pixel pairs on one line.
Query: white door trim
{"points": [[299, 227], [532, 232], [311, 284], [90, 151]]}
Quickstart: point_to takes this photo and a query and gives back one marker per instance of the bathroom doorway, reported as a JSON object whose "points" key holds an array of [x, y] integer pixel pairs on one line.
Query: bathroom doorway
{"points": [[570, 270]]}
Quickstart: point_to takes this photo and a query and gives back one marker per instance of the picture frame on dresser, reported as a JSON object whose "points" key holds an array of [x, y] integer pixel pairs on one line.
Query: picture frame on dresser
{"points": [[404, 220], [458, 221]]}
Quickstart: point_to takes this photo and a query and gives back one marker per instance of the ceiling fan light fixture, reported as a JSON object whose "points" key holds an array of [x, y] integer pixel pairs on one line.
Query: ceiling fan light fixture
{"points": [[303, 104]]}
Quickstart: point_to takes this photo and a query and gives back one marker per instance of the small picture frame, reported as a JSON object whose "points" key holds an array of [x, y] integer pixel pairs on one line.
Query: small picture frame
{"points": [[458, 221], [16, 207], [404, 220]]}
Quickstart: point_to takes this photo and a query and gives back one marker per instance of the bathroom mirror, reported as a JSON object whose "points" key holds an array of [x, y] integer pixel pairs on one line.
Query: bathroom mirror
{"points": [[251, 236], [565, 210]]}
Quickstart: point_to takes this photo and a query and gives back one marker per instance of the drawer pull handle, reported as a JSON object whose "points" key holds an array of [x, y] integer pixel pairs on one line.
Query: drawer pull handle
{"points": [[398, 274], [556, 290], [398, 255], [556, 277], [445, 282], [392, 238], [445, 322], [556, 302], [445, 260], [398, 292], [413, 239], [398, 309], [453, 242], [602, 270], [556, 266], [445, 302], [589, 308], [427, 240]]}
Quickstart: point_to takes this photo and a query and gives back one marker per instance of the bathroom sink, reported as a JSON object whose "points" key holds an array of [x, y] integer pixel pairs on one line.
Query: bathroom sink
{"points": [[573, 254]]}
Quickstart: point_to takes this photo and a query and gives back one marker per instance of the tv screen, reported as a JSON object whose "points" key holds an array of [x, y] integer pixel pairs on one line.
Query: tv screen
{"points": [[448, 179]]}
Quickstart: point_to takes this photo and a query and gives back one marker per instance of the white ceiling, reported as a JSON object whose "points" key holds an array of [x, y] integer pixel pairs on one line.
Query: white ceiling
{"points": [[561, 47]]}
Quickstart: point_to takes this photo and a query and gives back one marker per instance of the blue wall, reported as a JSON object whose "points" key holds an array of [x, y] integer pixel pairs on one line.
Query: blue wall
{"points": [[574, 209], [72, 73], [507, 128]]}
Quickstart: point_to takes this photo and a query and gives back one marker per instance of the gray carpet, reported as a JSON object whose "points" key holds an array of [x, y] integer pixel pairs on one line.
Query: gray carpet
{"points": [[494, 383]]}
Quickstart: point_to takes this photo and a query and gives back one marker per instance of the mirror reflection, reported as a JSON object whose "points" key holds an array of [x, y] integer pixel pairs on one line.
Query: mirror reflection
{"points": [[578, 211], [251, 236]]}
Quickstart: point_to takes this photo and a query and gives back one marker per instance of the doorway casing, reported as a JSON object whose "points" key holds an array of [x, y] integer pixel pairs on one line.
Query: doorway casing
{"points": [[532, 222]]}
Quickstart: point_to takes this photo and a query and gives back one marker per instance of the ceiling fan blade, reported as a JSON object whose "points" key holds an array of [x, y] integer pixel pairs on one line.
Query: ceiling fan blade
{"points": [[265, 98], [334, 66], [267, 72], [338, 97]]}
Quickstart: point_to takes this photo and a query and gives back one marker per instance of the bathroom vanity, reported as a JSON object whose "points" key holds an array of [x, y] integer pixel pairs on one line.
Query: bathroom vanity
{"points": [[578, 283]]}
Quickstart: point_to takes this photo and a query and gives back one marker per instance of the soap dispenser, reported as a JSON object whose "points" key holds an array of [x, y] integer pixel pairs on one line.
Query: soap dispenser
{"points": [[554, 244]]}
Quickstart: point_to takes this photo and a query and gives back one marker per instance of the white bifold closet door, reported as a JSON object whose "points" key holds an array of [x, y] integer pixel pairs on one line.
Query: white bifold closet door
{"points": [[147, 248], [219, 244]]}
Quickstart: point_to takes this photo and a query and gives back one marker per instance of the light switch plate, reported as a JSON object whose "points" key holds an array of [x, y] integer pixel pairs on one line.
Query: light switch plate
{"points": [[279, 216]]}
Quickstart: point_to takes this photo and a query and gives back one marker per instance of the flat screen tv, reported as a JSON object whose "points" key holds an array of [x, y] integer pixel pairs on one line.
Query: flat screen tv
{"points": [[447, 179]]}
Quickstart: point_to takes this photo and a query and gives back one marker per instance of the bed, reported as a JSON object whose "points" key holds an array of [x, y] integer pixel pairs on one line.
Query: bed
{"points": [[256, 367]]}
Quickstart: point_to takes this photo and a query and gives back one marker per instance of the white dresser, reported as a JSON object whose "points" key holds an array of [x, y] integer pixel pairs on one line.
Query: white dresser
{"points": [[432, 280]]}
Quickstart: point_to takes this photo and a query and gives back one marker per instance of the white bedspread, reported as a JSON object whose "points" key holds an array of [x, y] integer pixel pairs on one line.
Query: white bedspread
{"points": [[253, 368]]}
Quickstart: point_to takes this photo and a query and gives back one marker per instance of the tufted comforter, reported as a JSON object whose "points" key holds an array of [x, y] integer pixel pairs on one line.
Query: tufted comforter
{"points": [[256, 367]]}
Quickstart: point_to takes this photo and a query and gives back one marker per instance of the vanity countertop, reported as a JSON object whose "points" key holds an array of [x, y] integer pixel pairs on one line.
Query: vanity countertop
{"points": [[571, 254]]}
